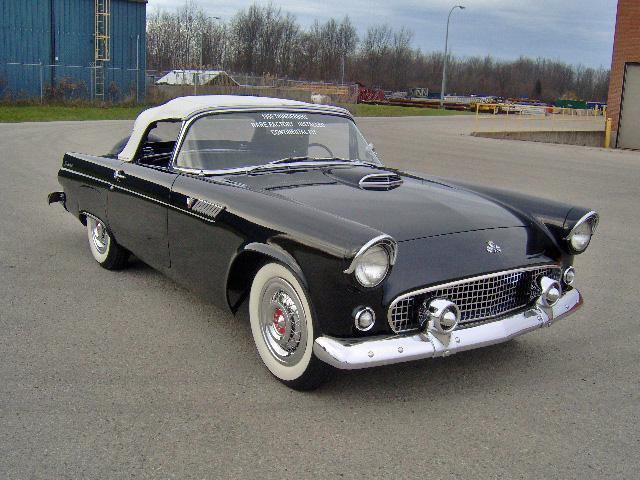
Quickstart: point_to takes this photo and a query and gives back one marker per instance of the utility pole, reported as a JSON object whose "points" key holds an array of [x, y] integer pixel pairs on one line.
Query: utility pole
{"points": [[201, 49], [222, 54], [446, 54], [138, 69]]}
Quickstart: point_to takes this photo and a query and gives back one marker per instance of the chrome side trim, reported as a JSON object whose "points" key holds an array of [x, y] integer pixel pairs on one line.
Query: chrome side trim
{"points": [[113, 186], [95, 179], [386, 240], [355, 353], [585, 218]]}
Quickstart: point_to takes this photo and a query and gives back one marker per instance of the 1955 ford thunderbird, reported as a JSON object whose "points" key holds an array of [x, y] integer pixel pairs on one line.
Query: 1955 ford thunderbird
{"points": [[344, 262]]}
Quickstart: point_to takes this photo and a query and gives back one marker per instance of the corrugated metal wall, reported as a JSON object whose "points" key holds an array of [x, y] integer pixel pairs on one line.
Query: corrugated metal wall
{"points": [[128, 21], [26, 40]]}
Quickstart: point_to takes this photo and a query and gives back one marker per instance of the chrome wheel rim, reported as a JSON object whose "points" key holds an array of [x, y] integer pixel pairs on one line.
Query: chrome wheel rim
{"points": [[283, 321], [99, 237]]}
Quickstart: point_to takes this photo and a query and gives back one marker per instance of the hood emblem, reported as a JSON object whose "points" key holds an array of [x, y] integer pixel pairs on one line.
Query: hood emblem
{"points": [[493, 247]]}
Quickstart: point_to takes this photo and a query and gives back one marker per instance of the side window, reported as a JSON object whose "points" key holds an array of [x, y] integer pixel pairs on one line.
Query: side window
{"points": [[158, 144]]}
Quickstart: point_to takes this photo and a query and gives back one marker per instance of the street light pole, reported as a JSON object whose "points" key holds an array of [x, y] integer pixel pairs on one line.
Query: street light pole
{"points": [[202, 45], [446, 55]]}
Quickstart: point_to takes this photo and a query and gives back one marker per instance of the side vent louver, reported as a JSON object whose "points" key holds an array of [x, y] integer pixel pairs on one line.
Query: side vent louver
{"points": [[380, 181], [204, 208]]}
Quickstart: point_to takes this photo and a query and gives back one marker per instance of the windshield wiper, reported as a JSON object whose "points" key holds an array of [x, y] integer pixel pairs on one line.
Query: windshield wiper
{"points": [[286, 160], [309, 159]]}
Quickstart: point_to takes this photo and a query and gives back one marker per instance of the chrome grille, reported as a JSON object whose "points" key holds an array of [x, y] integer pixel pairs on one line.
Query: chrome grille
{"points": [[479, 298]]}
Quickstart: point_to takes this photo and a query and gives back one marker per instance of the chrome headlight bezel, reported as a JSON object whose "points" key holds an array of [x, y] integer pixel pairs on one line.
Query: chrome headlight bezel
{"points": [[388, 245], [590, 221]]}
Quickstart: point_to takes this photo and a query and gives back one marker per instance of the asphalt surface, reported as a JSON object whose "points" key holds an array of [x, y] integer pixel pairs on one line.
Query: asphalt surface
{"points": [[126, 375]]}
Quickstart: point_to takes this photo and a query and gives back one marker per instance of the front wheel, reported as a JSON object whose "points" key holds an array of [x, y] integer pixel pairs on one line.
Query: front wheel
{"points": [[282, 328], [103, 247]]}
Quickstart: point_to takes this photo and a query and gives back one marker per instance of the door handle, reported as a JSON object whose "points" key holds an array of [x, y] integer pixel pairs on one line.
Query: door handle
{"points": [[119, 175]]}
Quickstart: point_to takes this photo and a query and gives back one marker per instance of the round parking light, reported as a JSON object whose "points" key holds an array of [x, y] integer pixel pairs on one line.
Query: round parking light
{"points": [[569, 276], [364, 318]]}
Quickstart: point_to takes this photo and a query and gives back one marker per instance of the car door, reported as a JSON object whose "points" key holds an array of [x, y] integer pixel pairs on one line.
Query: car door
{"points": [[137, 211], [138, 200]]}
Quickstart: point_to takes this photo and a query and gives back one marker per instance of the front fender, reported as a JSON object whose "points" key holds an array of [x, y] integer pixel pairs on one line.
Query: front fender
{"points": [[279, 254], [246, 262], [554, 218]]}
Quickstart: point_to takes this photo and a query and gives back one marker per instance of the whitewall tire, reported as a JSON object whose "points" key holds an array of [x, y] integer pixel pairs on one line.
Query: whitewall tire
{"points": [[283, 329], [103, 247]]}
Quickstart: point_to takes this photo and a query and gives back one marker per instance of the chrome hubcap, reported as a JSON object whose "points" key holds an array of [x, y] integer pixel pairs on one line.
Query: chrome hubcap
{"points": [[283, 321], [99, 237]]}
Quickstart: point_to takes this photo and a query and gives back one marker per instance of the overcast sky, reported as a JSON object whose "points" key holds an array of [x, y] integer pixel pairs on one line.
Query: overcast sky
{"points": [[575, 31]]}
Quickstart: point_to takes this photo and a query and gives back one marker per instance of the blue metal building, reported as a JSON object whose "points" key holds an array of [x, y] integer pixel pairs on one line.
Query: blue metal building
{"points": [[81, 48]]}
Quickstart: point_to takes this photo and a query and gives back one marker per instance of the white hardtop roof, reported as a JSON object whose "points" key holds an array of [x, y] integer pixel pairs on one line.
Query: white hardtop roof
{"points": [[182, 108]]}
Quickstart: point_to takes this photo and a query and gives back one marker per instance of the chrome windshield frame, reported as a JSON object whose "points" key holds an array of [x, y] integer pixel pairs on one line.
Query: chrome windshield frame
{"points": [[322, 110]]}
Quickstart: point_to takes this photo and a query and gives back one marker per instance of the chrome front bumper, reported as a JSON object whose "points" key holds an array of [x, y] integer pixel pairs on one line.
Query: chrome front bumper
{"points": [[354, 353]]}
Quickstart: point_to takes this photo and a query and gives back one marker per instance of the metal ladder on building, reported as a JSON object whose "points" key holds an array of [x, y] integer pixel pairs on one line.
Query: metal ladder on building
{"points": [[102, 40]]}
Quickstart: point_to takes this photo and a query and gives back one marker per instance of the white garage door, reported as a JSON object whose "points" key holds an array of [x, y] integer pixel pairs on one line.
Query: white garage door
{"points": [[629, 127]]}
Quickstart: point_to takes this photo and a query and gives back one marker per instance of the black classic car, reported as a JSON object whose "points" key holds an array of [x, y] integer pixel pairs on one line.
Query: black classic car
{"points": [[344, 262]]}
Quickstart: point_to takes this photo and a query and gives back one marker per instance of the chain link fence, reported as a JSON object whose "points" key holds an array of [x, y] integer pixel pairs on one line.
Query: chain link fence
{"points": [[243, 84], [102, 83], [44, 82]]}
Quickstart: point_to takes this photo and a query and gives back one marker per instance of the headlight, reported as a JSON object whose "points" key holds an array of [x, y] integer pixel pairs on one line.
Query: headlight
{"points": [[372, 266], [581, 233], [373, 261]]}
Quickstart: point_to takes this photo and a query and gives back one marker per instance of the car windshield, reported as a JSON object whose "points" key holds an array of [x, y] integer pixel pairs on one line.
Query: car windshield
{"points": [[230, 141]]}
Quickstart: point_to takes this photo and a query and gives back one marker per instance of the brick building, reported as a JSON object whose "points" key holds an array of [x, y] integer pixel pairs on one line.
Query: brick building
{"points": [[624, 87]]}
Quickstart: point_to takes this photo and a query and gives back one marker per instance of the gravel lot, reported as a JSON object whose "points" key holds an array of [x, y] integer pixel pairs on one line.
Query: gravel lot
{"points": [[118, 375]]}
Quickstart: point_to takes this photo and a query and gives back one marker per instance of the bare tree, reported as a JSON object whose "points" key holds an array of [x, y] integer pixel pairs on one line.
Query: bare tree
{"points": [[401, 58], [375, 49], [262, 39]]}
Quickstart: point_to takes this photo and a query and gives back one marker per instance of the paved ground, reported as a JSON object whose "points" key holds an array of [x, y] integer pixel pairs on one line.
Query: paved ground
{"points": [[118, 375]]}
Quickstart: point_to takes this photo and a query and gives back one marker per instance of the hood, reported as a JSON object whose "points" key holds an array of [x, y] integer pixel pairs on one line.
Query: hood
{"points": [[439, 258], [416, 208]]}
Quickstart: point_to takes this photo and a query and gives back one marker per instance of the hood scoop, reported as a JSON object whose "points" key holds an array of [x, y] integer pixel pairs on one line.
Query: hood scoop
{"points": [[380, 181]]}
